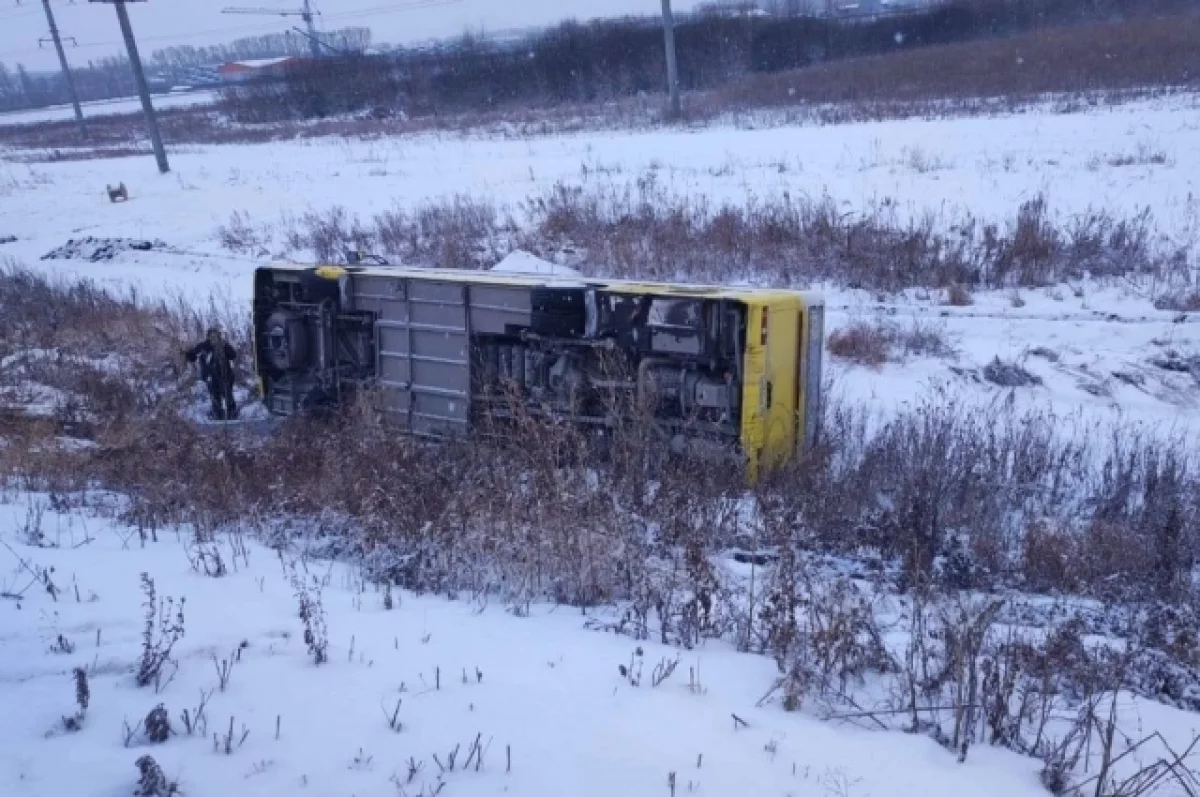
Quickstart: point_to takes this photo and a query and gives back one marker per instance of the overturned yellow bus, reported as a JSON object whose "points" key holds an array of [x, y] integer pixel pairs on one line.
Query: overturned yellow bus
{"points": [[450, 351]]}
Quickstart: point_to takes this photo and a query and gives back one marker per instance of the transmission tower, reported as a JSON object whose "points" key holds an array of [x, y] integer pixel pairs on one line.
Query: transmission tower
{"points": [[305, 13]]}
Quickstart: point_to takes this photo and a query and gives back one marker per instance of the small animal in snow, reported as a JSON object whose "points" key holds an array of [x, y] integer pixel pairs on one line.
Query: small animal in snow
{"points": [[118, 193]]}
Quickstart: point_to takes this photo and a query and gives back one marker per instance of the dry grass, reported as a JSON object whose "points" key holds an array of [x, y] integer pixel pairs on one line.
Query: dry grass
{"points": [[1183, 301], [875, 342], [861, 342], [641, 231], [939, 498], [958, 296], [1144, 155], [112, 360], [911, 488], [123, 135], [1105, 56]]}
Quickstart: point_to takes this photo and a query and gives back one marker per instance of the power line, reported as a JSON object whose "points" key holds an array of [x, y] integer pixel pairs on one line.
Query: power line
{"points": [[160, 38], [305, 13], [163, 38], [200, 33], [391, 8], [24, 12]]}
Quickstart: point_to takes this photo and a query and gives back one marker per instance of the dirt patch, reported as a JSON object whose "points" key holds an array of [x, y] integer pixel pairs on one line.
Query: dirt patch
{"points": [[1178, 363], [1009, 374], [101, 249]]}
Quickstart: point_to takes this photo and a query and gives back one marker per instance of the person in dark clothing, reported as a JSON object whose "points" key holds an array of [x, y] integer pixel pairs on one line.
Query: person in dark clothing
{"points": [[216, 357]]}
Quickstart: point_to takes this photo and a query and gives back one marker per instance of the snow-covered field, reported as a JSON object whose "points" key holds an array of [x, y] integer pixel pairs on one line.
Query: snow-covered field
{"points": [[1122, 159], [541, 688], [540, 692], [56, 113]]}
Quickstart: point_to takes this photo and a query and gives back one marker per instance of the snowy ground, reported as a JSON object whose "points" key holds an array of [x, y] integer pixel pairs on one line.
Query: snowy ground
{"points": [[91, 110], [1123, 159], [1100, 356], [549, 690], [405, 686], [541, 687]]}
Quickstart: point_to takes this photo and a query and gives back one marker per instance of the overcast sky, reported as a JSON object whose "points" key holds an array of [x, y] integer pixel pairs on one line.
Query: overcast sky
{"points": [[162, 23]]}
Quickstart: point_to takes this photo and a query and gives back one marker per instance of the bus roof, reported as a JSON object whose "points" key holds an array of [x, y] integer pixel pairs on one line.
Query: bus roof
{"points": [[695, 290]]}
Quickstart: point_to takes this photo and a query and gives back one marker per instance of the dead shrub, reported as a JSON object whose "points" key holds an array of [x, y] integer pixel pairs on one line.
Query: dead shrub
{"points": [[941, 501], [1048, 559], [152, 782], [239, 235], [1103, 246], [861, 342], [163, 627], [958, 296], [874, 342], [915, 485], [1027, 256], [157, 725], [328, 234], [83, 697], [307, 589], [642, 231], [109, 360], [824, 635], [1144, 155], [459, 232], [1141, 536], [922, 339], [1182, 301], [934, 499]]}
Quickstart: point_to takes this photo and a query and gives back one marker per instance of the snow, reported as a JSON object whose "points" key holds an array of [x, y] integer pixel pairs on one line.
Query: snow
{"points": [[258, 63], [1094, 353], [124, 105], [520, 262], [548, 689], [1105, 335], [35, 400], [914, 169], [541, 686]]}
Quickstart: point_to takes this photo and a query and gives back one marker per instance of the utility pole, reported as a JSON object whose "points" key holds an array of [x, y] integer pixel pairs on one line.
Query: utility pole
{"points": [[672, 66], [66, 70], [135, 61], [314, 42]]}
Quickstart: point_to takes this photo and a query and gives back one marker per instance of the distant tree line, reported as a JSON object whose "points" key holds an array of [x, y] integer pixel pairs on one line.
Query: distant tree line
{"points": [[569, 63], [106, 78], [181, 60], [609, 59], [101, 79]]}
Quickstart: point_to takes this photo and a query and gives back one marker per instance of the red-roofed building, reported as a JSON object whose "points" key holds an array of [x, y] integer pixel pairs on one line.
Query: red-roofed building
{"points": [[236, 71]]}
